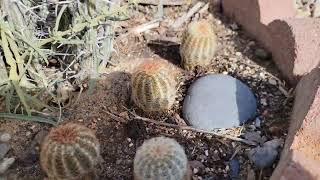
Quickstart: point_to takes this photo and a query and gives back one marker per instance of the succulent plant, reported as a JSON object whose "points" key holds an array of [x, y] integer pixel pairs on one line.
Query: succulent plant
{"points": [[198, 46], [154, 85], [70, 151], [161, 158]]}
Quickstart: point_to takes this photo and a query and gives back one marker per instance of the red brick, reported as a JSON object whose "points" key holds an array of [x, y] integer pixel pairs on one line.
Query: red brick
{"points": [[295, 46], [300, 158], [255, 15]]}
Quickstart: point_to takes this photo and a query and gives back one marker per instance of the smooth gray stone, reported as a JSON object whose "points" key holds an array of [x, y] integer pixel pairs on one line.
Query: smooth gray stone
{"points": [[263, 157], [218, 101], [4, 148]]}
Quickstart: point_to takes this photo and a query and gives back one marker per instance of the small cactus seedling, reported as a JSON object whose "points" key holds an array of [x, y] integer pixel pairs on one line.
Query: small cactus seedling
{"points": [[198, 46], [70, 151], [161, 158], [154, 85]]}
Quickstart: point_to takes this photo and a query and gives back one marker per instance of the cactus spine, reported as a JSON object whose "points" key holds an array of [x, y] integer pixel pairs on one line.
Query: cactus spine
{"points": [[154, 85], [70, 151], [198, 46], [161, 158]]}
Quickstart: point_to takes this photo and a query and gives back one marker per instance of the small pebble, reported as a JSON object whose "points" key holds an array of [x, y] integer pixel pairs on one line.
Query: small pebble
{"points": [[272, 82], [4, 149], [261, 54], [253, 136], [5, 137], [234, 26], [195, 170], [5, 164], [263, 157], [275, 143], [131, 144], [263, 101], [206, 152], [257, 122]]}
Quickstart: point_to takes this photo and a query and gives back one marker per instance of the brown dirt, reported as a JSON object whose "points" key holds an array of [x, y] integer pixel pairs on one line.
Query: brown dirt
{"points": [[106, 109]]}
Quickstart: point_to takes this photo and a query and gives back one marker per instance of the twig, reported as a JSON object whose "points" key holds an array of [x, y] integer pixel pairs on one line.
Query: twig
{"points": [[165, 2], [184, 128], [204, 8], [190, 13], [142, 28]]}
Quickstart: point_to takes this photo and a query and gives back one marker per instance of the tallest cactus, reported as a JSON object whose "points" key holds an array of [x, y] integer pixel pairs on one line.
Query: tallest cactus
{"points": [[198, 46]]}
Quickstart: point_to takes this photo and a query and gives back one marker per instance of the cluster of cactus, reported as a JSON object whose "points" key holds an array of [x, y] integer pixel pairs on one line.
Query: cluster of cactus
{"points": [[198, 46], [161, 158], [154, 85], [70, 151]]}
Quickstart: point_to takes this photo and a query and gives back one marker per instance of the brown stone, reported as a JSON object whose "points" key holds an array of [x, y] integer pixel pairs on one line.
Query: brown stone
{"points": [[300, 158], [255, 15], [295, 46]]}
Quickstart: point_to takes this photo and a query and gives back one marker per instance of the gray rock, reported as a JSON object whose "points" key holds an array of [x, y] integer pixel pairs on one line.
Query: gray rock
{"points": [[262, 54], [275, 143], [252, 136], [257, 122], [234, 169], [263, 157], [5, 137], [218, 101], [4, 148], [5, 164]]}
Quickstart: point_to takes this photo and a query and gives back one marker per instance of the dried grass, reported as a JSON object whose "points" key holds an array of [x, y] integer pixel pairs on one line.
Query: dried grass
{"points": [[48, 48]]}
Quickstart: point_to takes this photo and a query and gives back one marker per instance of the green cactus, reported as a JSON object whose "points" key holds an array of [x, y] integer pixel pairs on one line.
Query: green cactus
{"points": [[161, 158], [198, 46], [70, 151], [154, 85]]}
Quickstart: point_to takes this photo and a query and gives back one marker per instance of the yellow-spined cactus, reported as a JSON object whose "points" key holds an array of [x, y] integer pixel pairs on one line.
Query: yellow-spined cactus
{"points": [[161, 158], [198, 46], [70, 152], [154, 85]]}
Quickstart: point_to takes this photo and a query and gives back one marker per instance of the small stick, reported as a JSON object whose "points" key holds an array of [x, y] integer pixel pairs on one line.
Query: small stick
{"points": [[185, 128], [165, 2], [190, 13], [142, 28], [204, 9]]}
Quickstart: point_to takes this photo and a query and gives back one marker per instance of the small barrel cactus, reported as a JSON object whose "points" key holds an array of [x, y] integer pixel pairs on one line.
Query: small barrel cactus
{"points": [[161, 158], [154, 85], [70, 151], [198, 46]]}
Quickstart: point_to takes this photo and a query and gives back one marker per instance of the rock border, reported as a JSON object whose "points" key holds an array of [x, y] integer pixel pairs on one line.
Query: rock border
{"points": [[294, 43]]}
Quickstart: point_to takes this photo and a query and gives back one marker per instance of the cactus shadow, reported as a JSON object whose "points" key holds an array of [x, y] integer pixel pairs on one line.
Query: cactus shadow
{"points": [[166, 49]]}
